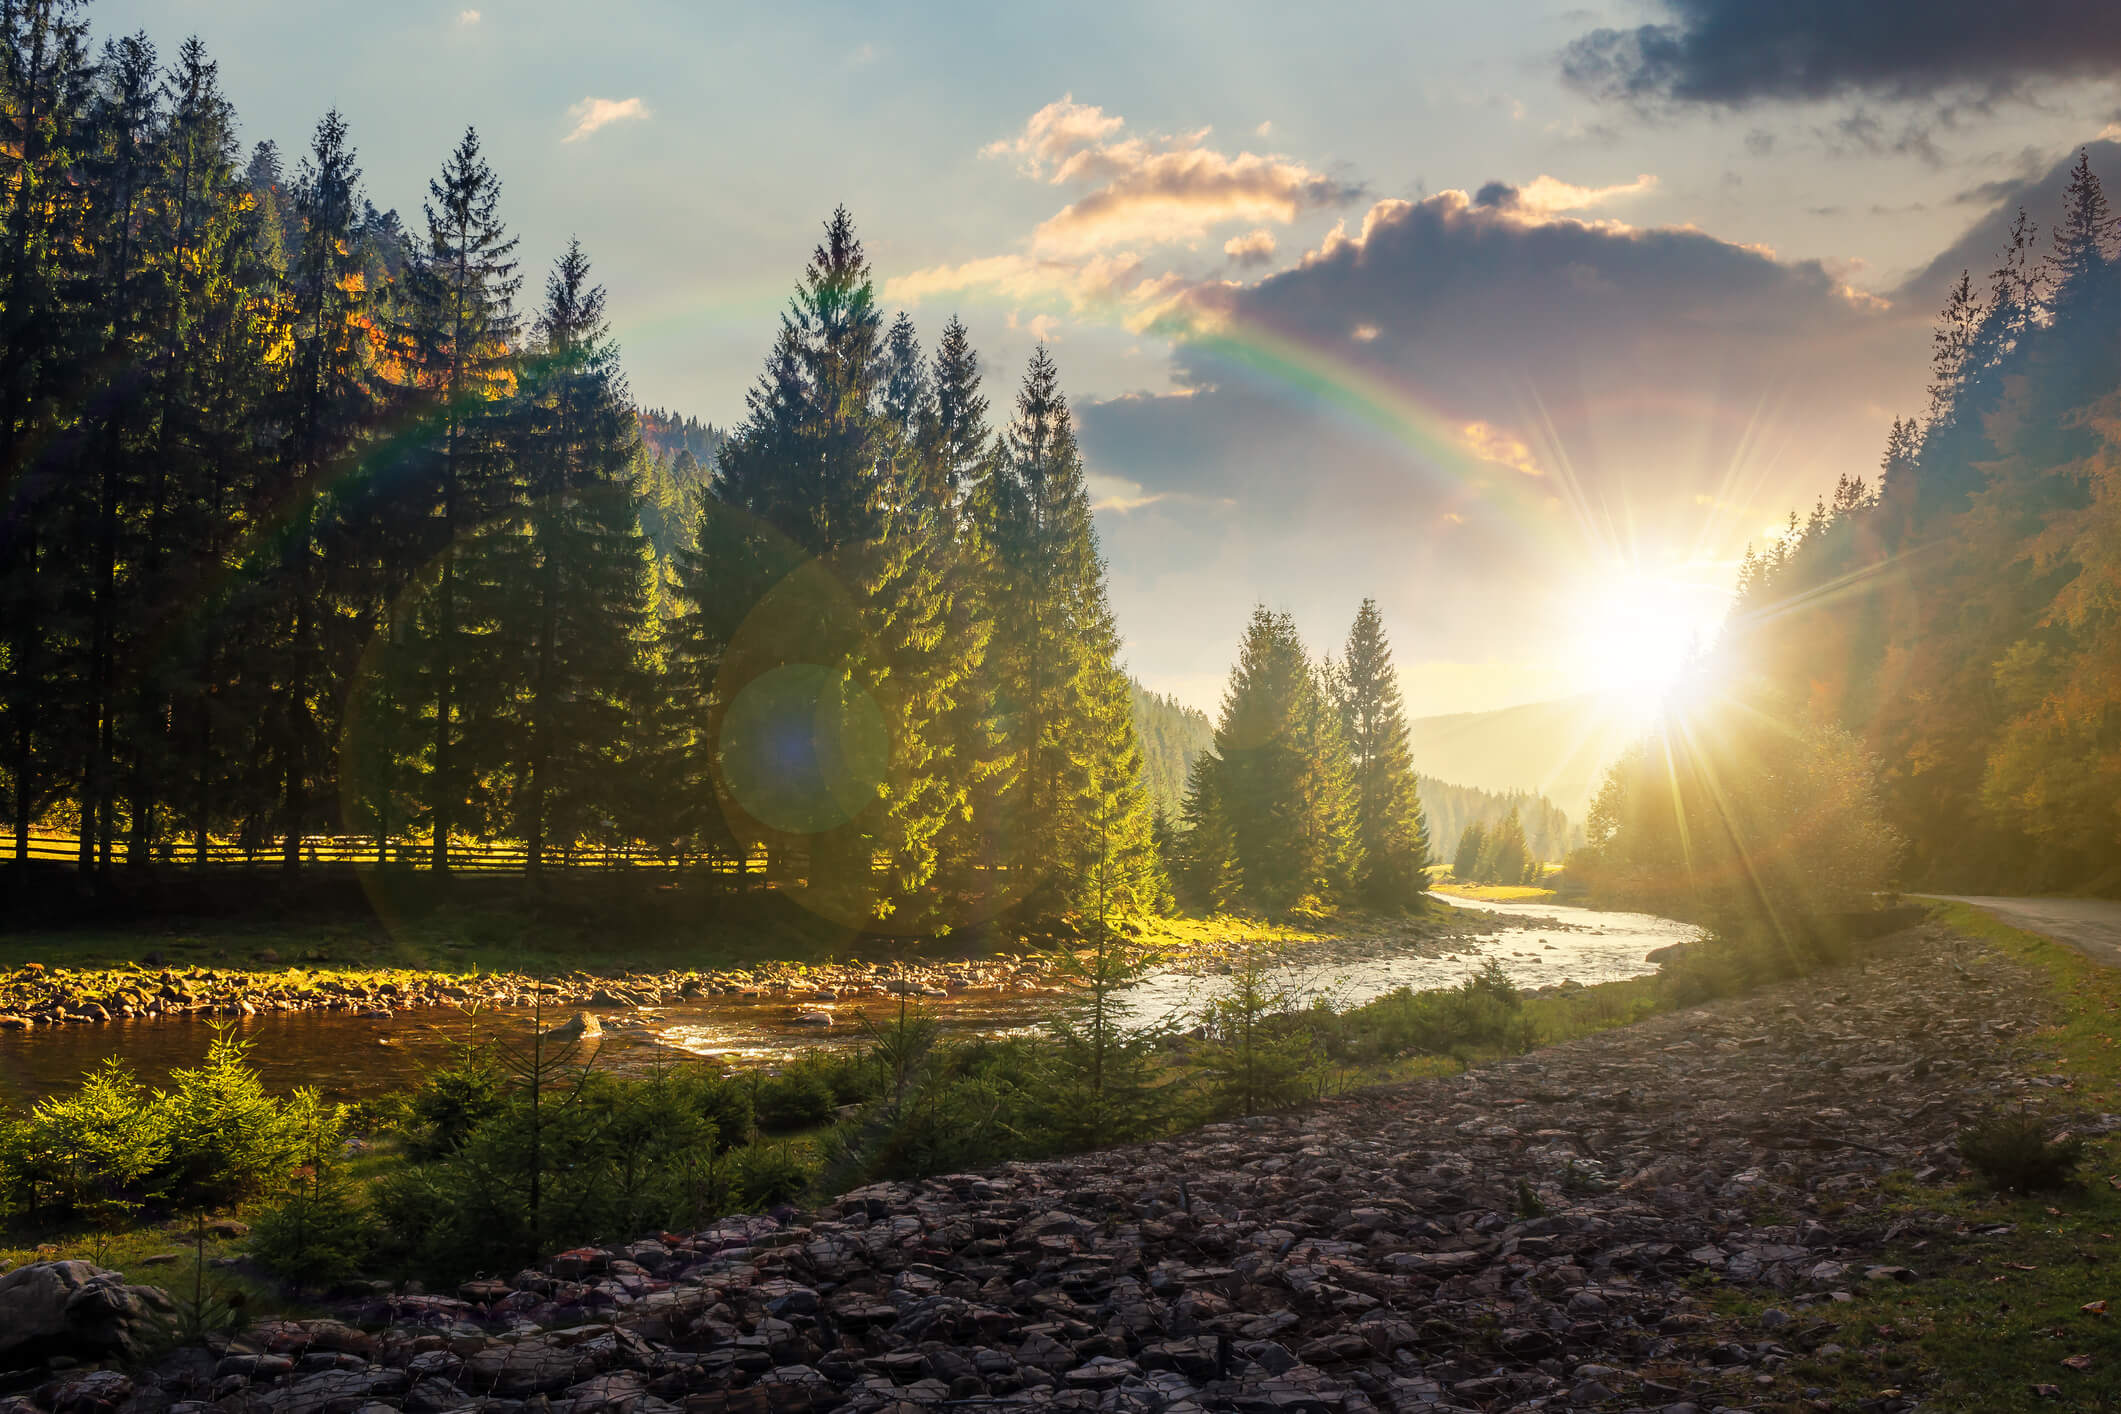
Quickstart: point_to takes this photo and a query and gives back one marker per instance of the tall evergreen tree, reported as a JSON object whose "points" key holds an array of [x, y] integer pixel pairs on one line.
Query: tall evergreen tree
{"points": [[45, 90], [1069, 723], [459, 329], [584, 596], [327, 403], [1388, 818], [1284, 783]]}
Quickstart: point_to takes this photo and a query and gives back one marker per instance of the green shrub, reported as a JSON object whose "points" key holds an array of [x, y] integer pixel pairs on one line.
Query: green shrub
{"points": [[451, 1102], [2013, 1152], [228, 1139], [770, 1174], [800, 1097], [98, 1153], [319, 1233]]}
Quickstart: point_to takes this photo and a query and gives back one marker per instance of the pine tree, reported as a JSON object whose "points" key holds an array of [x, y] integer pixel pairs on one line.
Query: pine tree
{"points": [[2082, 249], [808, 587], [1068, 723], [1389, 821], [957, 468], [1472, 845], [584, 595], [327, 402], [458, 329], [45, 88], [1282, 777]]}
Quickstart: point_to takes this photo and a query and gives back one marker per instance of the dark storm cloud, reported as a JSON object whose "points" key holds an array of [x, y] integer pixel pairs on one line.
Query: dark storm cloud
{"points": [[1733, 53]]}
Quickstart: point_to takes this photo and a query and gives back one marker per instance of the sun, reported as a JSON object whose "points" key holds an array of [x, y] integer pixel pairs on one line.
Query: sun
{"points": [[1635, 633]]}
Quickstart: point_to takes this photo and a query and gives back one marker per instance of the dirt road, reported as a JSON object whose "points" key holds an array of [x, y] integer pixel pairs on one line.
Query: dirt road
{"points": [[2090, 925]]}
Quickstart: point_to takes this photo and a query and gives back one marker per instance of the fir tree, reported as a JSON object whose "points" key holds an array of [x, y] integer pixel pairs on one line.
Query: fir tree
{"points": [[1284, 785], [1067, 720], [1393, 833], [457, 331], [584, 594]]}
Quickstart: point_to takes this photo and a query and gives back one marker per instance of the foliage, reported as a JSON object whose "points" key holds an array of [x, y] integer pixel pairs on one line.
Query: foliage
{"points": [[319, 1233], [1963, 616], [1483, 1014], [1496, 853], [1391, 831], [1263, 1051], [2014, 1152], [800, 1097], [1763, 828], [98, 1152], [113, 1147], [1272, 813]]}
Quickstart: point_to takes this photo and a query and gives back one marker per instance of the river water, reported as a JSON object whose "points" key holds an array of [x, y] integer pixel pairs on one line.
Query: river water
{"points": [[347, 1056]]}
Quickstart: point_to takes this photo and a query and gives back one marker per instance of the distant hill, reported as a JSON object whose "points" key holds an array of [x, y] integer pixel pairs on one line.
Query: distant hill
{"points": [[1450, 808], [1172, 734], [1559, 749]]}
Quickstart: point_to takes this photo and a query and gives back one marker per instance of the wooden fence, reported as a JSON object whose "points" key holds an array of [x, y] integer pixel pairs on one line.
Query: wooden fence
{"points": [[342, 852]]}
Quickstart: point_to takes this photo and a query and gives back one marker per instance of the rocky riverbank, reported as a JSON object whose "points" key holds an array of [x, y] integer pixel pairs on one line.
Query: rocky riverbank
{"points": [[1537, 1233], [36, 995]]}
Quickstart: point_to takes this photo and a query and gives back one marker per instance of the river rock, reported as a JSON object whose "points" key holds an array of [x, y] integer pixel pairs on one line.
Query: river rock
{"points": [[76, 1310]]}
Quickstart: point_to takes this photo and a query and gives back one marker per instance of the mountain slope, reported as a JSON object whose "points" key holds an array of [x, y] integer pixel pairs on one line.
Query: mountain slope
{"points": [[1559, 749]]}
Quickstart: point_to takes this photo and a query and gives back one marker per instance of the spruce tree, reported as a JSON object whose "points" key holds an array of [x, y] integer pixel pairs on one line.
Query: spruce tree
{"points": [[582, 596], [1389, 821], [1465, 862], [1283, 782], [957, 467], [809, 578], [457, 334], [1068, 723], [326, 404], [45, 89]]}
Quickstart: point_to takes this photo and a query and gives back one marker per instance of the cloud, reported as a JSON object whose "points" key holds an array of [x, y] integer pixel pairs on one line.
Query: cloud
{"points": [[1055, 132], [1547, 195], [1734, 53], [1082, 284], [468, 18], [1118, 495], [1150, 197], [1255, 247], [1265, 129], [1503, 448], [1541, 389], [1146, 191], [594, 113]]}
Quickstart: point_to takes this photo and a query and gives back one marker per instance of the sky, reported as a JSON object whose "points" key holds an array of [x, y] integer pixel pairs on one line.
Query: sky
{"points": [[1523, 319]]}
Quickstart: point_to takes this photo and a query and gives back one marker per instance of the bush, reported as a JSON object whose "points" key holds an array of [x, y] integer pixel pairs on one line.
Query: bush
{"points": [[2013, 1152], [1484, 1013], [98, 1153], [228, 1139], [800, 1097], [451, 1102], [768, 1175], [320, 1233]]}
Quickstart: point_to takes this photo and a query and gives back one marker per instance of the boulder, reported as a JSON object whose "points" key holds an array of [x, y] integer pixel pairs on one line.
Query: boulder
{"points": [[74, 1309]]}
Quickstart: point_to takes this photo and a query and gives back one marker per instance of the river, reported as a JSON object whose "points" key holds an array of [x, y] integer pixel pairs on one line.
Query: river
{"points": [[347, 1056]]}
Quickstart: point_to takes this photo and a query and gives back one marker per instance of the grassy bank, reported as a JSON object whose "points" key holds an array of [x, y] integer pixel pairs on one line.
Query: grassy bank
{"points": [[1991, 1319], [590, 926], [1496, 893]]}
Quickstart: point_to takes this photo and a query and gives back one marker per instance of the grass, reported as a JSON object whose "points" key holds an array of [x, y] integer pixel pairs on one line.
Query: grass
{"points": [[1496, 893], [1991, 1319], [593, 927]]}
